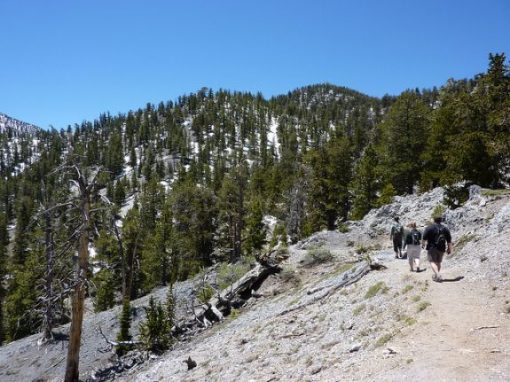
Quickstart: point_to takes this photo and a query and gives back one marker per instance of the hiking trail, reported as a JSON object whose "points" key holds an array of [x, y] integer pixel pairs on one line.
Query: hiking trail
{"points": [[463, 335]]}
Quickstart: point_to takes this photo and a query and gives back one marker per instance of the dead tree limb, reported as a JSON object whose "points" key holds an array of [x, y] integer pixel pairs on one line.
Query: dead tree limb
{"points": [[345, 279]]}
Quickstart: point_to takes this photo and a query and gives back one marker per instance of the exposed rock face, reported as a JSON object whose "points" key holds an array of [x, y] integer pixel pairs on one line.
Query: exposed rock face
{"points": [[16, 126]]}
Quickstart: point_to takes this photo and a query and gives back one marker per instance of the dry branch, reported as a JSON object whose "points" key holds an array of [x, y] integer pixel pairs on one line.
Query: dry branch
{"points": [[347, 278]]}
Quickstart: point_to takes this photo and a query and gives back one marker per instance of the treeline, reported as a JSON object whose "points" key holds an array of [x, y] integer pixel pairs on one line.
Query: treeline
{"points": [[182, 185]]}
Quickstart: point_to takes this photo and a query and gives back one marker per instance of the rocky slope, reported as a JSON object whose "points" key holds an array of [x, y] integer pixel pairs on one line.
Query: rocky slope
{"points": [[16, 126], [390, 325]]}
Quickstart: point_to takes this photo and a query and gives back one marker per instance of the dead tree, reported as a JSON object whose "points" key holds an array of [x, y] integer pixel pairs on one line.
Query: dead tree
{"points": [[85, 191], [52, 292], [49, 251]]}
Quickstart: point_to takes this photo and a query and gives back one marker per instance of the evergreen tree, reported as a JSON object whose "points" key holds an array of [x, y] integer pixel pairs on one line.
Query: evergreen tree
{"points": [[365, 184], [402, 141], [155, 331], [255, 233], [157, 265], [125, 325], [331, 174], [194, 213]]}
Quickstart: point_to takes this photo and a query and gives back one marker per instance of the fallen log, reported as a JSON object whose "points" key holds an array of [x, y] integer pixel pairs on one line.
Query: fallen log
{"points": [[347, 278], [236, 295]]}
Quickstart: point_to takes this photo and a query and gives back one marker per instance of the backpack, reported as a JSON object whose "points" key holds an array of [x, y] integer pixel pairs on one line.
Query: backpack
{"points": [[397, 231], [415, 237], [440, 239]]}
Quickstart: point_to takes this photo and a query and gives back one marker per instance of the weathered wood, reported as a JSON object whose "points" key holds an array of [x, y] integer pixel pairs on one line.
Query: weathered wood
{"points": [[219, 306], [347, 278]]}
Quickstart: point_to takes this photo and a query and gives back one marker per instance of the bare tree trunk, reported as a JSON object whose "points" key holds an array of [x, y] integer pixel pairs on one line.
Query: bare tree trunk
{"points": [[50, 272], [73, 350], [122, 257]]}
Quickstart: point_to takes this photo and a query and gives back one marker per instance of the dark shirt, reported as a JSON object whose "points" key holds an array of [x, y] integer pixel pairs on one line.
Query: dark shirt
{"points": [[409, 237], [432, 231]]}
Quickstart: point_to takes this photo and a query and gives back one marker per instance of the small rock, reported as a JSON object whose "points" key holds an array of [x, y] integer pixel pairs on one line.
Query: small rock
{"points": [[315, 369], [355, 348], [191, 364], [390, 351]]}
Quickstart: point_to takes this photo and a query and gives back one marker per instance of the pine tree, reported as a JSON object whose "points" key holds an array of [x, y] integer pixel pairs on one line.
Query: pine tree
{"points": [[255, 232], [331, 174], [365, 184], [125, 325], [155, 331], [403, 134]]}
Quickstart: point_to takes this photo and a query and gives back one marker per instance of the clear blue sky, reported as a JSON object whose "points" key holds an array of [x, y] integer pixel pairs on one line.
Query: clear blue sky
{"points": [[66, 61]]}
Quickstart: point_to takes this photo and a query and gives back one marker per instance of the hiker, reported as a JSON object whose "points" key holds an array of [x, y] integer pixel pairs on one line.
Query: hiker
{"points": [[412, 244], [396, 235], [438, 241]]}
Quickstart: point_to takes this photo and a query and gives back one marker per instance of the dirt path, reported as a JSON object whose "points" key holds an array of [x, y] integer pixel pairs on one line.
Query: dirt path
{"points": [[462, 336]]}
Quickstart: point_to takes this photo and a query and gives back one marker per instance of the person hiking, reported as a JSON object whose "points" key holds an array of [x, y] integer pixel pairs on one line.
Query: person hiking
{"points": [[438, 241], [396, 235], [412, 244]]}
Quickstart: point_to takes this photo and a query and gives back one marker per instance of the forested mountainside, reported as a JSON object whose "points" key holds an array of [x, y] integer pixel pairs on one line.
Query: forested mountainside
{"points": [[152, 196]]}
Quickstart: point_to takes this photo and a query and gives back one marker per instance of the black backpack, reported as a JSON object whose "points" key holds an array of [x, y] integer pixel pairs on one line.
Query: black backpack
{"points": [[440, 239], [415, 237], [397, 231]]}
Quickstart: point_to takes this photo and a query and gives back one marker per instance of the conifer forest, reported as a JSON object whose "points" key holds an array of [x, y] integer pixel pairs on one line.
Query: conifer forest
{"points": [[107, 210]]}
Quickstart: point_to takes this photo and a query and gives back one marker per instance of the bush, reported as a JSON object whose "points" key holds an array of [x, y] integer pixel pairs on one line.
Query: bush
{"points": [[456, 196], [205, 293], [438, 211], [377, 288], [316, 257], [343, 228], [423, 305], [289, 276], [230, 273]]}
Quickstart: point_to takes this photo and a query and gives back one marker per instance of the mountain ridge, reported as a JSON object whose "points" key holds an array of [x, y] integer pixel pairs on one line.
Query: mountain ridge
{"points": [[8, 123], [347, 332]]}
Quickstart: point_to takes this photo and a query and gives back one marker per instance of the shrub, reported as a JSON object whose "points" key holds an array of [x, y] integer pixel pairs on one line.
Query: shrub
{"points": [[205, 293], [462, 241], [383, 340], [230, 273], [379, 287], [343, 228], [289, 276], [456, 196], [438, 211], [423, 305], [316, 257], [358, 310]]}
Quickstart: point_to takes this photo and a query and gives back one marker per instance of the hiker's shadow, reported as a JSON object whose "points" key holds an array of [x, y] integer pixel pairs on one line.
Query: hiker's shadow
{"points": [[451, 280]]}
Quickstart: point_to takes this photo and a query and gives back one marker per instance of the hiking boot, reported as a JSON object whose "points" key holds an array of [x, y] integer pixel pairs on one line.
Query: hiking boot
{"points": [[417, 269]]}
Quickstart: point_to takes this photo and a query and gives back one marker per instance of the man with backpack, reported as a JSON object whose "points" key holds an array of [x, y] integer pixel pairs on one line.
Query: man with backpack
{"points": [[413, 247], [439, 241], [396, 235]]}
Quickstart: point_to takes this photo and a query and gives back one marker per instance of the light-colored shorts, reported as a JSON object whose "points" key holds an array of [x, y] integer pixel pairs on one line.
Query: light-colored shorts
{"points": [[413, 251]]}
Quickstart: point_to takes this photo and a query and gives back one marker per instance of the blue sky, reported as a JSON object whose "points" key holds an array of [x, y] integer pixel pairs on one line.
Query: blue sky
{"points": [[67, 61]]}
